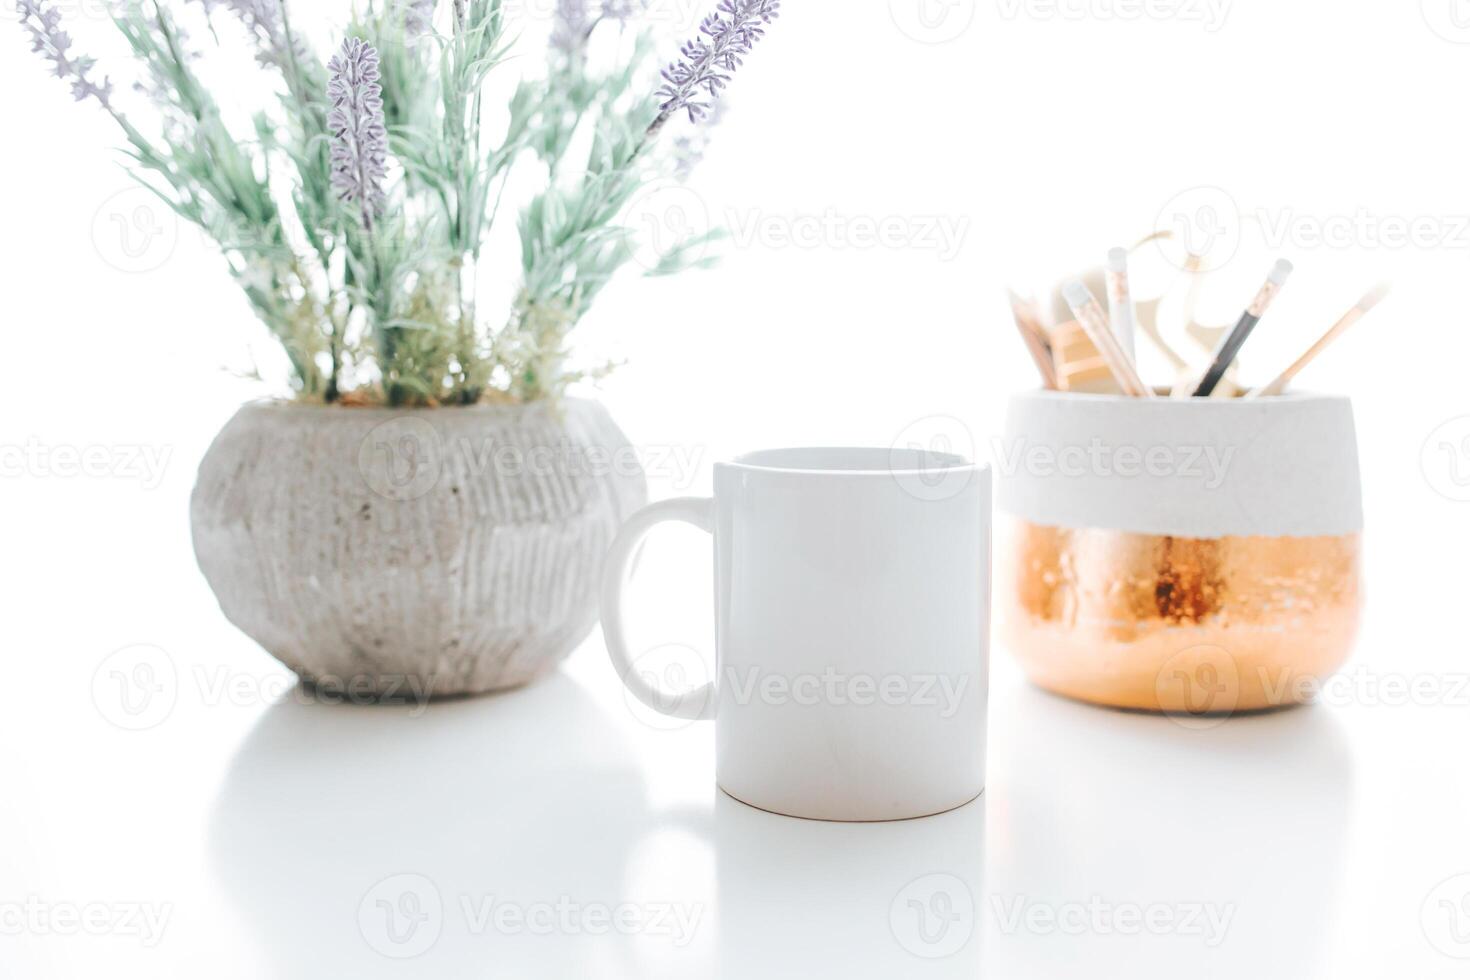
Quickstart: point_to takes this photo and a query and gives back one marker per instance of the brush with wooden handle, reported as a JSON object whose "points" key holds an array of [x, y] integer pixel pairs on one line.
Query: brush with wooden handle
{"points": [[1362, 309]]}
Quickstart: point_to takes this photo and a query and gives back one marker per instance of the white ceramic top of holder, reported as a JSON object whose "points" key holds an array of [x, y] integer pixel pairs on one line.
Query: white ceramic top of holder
{"points": [[1198, 468]]}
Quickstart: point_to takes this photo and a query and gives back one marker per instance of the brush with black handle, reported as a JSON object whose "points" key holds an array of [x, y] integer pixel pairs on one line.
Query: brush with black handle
{"points": [[1229, 348]]}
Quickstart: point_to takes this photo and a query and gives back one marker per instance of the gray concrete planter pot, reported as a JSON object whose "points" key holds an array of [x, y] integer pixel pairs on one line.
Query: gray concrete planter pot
{"points": [[389, 553]]}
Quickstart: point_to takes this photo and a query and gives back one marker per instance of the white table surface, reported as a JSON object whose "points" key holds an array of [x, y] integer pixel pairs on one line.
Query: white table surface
{"points": [[261, 833], [258, 832]]}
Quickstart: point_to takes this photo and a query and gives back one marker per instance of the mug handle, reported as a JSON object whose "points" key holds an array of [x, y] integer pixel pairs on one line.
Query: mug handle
{"points": [[698, 704]]}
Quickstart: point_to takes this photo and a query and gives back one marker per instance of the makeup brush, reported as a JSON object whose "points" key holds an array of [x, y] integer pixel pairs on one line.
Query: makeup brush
{"points": [[1120, 301], [1033, 335], [1364, 307], [1085, 307], [1229, 348]]}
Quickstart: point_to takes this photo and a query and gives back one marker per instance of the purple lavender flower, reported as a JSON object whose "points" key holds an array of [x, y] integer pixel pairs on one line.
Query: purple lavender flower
{"points": [[702, 73], [264, 20], [691, 146], [572, 27], [43, 23], [622, 10], [359, 134], [575, 20], [418, 16]]}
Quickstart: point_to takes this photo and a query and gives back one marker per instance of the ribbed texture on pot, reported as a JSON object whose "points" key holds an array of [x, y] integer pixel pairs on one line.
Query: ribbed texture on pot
{"points": [[455, 550]]}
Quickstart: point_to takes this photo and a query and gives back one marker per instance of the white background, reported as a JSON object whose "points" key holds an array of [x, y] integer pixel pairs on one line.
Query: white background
{"points": [[1047, 134]]}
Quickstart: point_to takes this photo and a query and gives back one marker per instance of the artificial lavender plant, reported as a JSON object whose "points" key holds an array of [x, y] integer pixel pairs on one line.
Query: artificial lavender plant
{"points": [[355, 213]]}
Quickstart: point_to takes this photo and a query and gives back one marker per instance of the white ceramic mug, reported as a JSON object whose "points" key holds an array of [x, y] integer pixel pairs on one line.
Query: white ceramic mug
{"points": [[852, 610]]}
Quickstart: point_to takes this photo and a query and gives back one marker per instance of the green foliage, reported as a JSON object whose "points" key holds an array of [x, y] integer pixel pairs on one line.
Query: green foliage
{"points": [[385, 311]]}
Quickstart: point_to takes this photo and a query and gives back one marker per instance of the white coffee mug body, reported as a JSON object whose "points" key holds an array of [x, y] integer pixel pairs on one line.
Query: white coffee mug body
{"points": [[852, 615]]}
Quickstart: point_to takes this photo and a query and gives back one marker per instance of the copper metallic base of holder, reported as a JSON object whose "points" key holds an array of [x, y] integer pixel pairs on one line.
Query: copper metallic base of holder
{"points": [[1178, 625]]}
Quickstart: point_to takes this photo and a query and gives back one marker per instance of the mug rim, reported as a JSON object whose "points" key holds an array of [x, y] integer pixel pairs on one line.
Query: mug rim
{"points": [[876, 462]]}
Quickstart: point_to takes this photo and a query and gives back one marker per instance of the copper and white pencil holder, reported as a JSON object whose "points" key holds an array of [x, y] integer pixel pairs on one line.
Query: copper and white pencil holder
{"points": [[1197, 556]]}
